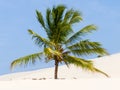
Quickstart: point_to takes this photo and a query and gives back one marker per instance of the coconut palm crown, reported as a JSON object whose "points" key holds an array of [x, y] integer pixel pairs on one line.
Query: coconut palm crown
{"points": [[62, 44]]}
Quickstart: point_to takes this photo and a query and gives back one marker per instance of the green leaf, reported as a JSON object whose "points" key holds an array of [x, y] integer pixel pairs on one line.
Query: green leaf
{"points": [[58, 12], [49, 19], [78, 35], [84, 64], [79, 62], [26, 60], [40, 18], [68, 15], [75, 18], [40, 40], [97, 70], [87, 47]]}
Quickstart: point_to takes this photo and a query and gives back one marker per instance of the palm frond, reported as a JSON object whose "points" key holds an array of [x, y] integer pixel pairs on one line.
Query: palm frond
{"points": [[26, 60], [51, 32], [78, 35], [79, 62], [76, 17], [97, 70], [58, 13], [40, 18], [85, 44], [49, 18], [40, 40], [84, 64], [89, 51], [87, 47], [55, 24], [68, 15], [64, 30]]}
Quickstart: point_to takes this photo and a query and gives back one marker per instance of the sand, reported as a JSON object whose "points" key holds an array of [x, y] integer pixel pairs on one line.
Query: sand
{"points": [[70, 78]]}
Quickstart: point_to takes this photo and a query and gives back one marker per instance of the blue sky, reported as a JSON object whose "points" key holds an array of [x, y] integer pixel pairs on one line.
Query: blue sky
{"points": [[17, 16]]}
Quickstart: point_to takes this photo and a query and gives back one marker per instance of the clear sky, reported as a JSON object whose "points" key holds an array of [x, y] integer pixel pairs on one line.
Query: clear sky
{"points": [[17, 16]]}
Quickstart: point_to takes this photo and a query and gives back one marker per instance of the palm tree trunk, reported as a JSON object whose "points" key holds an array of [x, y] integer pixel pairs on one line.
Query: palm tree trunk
{"points": [[56, 69]]}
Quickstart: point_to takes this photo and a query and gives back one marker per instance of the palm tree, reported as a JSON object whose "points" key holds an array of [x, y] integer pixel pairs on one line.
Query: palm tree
{"points": [[62, 44]]}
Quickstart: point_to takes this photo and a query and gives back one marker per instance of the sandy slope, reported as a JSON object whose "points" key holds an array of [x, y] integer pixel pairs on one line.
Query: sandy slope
{"points": [[109, 64], [76, 79]]}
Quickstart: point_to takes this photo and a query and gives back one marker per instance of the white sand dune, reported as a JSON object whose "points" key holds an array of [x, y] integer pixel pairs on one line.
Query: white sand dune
{"points": [[109, 64], [75, 78]]}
